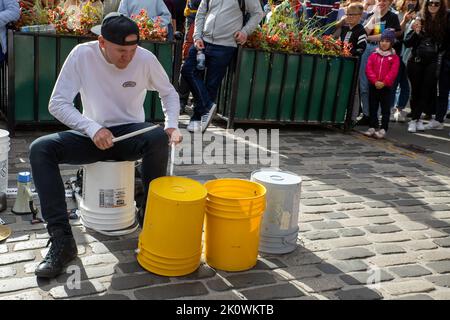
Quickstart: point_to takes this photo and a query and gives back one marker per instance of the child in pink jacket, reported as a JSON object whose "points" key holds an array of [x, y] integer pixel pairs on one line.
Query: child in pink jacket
{"points": [[381, 70]]}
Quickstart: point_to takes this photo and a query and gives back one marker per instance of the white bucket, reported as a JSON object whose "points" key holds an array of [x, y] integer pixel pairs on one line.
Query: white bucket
{"points": [[108, 205], [279, 228], [4, 150]]}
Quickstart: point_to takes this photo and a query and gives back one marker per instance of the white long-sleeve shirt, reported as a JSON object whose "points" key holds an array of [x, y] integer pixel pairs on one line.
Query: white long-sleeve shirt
{"points": [[110, 96]]}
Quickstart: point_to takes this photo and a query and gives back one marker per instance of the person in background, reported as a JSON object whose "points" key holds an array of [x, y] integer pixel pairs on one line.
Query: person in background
{"points": [[369, 5], [353, 32], [407, 10], [427, 40], [171, 6], [180, 5], [377, 21], [219, 29], [9, 12], [154, 8], [381, 70], [444, 81], [343, 9], [325, 11], [190, 12]]}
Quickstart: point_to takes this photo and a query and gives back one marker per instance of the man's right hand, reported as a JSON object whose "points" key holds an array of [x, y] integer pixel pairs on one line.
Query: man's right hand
{"points": [[103, 139], [199, 44]]}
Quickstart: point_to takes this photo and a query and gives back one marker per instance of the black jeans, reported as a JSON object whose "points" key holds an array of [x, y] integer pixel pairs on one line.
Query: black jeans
{"points": [[444, 86], [71, 147], [379, 98], [422, 76]]}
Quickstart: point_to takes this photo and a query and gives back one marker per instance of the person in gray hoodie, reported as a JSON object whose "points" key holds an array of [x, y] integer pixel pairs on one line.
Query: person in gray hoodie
{"points": [[219, 29]]}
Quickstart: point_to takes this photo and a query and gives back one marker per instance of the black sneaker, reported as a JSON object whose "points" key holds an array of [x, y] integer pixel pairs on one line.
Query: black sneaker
{"points": [[364, 121], [62, 251]]}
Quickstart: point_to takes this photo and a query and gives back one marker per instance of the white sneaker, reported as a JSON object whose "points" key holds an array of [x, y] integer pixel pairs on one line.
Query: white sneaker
{"points": [[394, 114], [420, 126], [193, 126], [433, 124], [412, 126], [206, 118], [380, 134], [370, 132], [402, 116]]}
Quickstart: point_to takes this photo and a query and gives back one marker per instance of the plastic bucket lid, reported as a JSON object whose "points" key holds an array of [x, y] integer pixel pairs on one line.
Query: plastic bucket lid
{"points": [[178, 189], [276, 177]]}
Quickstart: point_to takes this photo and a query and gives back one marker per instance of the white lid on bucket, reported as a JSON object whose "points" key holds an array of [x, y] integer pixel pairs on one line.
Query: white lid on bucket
{"points": [[274, 176], [4, 133]]}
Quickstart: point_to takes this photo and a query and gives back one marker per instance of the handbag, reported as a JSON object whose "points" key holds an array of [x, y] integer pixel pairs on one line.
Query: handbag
{"points": [[427, 49]]}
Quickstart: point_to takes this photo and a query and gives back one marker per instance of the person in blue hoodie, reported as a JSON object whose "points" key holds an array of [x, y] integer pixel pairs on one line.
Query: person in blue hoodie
{"points": [[9, 12]]}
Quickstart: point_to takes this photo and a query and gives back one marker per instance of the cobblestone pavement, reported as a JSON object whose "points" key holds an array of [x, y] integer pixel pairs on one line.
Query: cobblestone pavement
{"points": [[368, 211]]}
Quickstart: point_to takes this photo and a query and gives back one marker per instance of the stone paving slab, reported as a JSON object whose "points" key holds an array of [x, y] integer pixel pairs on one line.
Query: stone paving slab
{"points": [[374, 224]]}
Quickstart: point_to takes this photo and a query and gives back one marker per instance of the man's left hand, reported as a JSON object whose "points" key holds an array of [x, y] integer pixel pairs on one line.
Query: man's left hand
{"points": [[174, 135], [240, 37]]}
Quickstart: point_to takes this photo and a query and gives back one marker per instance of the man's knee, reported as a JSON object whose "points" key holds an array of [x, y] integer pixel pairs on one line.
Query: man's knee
{"points": [[39, 148]]}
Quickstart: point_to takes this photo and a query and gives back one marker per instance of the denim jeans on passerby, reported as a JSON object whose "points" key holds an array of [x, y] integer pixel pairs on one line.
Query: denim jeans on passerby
{"points": [[363, 81], [204, 89], [71, 147], [400, 99]]}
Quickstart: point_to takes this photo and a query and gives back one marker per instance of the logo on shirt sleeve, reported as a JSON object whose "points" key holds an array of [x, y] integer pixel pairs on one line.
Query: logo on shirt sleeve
{"points": [[129, 84]]}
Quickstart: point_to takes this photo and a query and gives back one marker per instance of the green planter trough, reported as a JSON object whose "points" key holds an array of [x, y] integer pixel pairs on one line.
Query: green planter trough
{"points": [[34, 62], [288, 88]]}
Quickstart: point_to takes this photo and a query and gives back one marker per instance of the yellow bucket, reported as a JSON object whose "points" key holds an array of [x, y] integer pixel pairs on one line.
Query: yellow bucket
{"points": [[170, 241], [232, 232]]}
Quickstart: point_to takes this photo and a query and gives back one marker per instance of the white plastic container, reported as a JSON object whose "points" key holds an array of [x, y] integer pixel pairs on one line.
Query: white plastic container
{"points": [[279, 229], [4, 150], [107, 204]]}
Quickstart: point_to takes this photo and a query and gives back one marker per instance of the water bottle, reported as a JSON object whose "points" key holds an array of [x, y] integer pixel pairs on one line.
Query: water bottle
{"points": [[200, 60]]}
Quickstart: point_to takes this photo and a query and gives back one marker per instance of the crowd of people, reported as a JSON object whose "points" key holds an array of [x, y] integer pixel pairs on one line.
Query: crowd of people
{"points": [[404, 53]]}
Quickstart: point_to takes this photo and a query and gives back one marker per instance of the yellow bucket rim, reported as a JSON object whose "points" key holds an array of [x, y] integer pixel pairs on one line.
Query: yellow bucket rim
{"points": [[179, 189], [261, 188], [165, 266], [170, 261], [167, 273]]}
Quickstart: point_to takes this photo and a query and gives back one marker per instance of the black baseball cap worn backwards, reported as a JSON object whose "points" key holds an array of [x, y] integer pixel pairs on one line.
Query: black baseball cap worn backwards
{"points": [[116, 27]]}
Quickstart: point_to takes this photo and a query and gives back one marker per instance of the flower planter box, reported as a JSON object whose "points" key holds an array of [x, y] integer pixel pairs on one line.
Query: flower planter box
{"points": [[34, 62], [288, 88]]}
